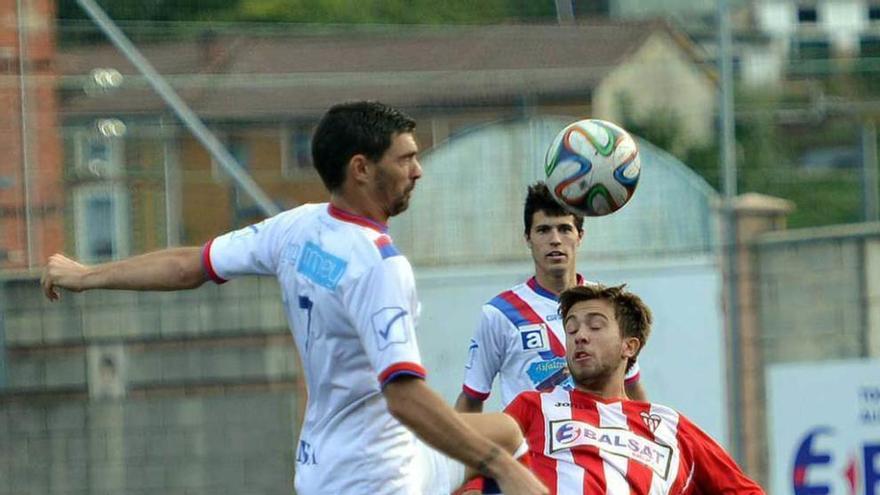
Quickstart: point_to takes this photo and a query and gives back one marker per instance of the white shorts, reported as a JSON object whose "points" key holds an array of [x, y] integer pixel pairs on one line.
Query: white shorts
{"points": [[439, 473]]}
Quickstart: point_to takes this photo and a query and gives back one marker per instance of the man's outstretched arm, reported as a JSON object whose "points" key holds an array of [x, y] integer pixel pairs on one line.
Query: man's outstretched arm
{"points": [[169, 269]]}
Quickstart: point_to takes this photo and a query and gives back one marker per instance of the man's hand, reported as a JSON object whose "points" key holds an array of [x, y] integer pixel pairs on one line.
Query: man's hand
{"points": [[62, 272], [515, 479]]}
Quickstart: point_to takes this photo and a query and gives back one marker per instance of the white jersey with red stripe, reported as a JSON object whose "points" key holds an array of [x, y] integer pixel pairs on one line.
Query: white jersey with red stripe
{"points": [[351, 304], [520, 339], [581, 443]]}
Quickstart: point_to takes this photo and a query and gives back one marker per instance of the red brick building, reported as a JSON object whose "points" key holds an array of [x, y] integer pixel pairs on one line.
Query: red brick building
{"points": [[31, 199]]}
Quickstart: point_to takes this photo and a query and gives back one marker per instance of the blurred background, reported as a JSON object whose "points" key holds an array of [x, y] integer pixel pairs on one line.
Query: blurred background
{"points": [[130, 126]]}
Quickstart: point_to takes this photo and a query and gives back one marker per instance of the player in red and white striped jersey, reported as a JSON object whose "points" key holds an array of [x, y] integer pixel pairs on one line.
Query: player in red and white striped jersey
{"points": [[592, 439]]}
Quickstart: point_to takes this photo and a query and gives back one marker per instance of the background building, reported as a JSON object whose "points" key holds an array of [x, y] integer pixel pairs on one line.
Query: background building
{"points": [[264, 94], [30, 177]]}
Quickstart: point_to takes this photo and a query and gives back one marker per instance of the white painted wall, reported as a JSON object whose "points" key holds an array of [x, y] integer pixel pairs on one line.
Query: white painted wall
{"points": [[843, 21], [762, 65], [776, 18], [838, 403], [661, 76]]}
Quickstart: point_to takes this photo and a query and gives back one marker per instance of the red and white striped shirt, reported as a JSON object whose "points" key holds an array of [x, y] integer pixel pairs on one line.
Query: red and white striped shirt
{"points": [[582, 443]]}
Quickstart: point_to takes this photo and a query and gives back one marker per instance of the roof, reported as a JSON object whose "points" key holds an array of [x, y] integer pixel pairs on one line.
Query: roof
{"points": [[302, 73]]}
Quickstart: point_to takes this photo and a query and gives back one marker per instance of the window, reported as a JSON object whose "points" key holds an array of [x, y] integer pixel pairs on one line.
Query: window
{"points": [[874, 13], [240, 151], [98, 155], [595, 8], [811, 49], [100, 202], [296, 150], [245, 209], [869, 53], [807, 14], [869, 46], [101, 222], [736, 66]]}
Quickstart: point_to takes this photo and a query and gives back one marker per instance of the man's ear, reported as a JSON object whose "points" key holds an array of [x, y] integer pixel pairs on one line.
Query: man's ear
{"points": [[630, 347], [359, 168]]}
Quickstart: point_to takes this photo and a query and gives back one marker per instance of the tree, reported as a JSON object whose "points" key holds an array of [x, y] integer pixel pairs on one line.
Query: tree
{"points": [[323, 11]]}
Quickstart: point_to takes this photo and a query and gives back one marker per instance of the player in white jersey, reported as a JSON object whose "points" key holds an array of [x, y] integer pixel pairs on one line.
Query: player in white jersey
{"points": [[520, 337], [351, 302], [592, 439]]}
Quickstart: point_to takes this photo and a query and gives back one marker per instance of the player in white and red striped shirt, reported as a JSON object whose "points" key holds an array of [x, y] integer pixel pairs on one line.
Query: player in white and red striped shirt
{"points": [[592, 439]]}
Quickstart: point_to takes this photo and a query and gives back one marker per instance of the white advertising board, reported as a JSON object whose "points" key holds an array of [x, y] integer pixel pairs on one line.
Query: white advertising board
{"points": [[823, 424]]}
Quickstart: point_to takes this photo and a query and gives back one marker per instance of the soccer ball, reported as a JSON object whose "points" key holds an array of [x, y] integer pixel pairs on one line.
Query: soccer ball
{"points": [[592, 168]]}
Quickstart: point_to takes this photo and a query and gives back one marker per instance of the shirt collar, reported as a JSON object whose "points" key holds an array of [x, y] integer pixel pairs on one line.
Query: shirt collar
{"points": [[345, 216], [542, 291]]}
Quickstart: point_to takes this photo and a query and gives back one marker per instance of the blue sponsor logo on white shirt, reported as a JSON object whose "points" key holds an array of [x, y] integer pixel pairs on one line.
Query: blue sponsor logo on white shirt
{"points": [[306, 454], [548, 373], [534, 337], [320, 266]]}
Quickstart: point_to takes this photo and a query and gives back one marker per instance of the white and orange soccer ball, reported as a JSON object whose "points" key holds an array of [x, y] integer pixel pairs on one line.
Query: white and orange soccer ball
{"points": [[592, 167]]}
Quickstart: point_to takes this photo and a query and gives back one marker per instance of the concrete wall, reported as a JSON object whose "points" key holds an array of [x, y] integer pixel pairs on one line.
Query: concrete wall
{"points": [[819, 293], [116, 392], [817, 299], [229, 444]]}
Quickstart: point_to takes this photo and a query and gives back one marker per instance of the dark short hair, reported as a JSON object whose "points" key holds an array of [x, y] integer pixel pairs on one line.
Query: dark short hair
{"points": [[538, 199], [632, 314], [348, 129]]}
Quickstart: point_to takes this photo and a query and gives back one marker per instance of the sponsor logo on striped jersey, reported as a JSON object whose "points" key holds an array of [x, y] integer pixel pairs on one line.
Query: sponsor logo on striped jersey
{"points": [[568, 434]]}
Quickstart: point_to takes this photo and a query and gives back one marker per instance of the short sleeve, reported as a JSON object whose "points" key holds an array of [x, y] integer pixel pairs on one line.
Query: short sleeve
{"points": [[485, 354], [714, 470], [383, 305], [253, 250]]}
